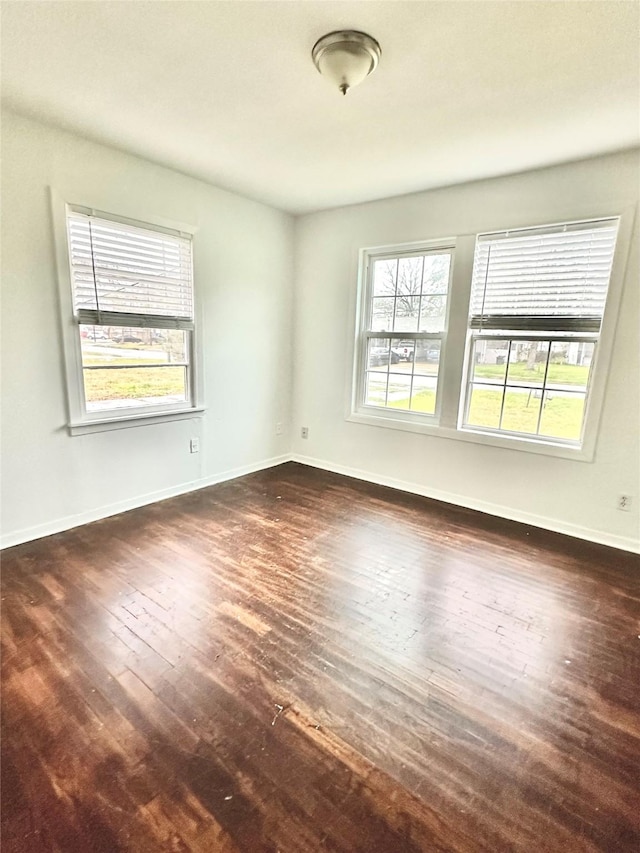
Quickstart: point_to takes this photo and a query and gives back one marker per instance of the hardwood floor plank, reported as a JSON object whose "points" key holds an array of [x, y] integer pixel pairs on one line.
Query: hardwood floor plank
{"points": [[295, 661]]}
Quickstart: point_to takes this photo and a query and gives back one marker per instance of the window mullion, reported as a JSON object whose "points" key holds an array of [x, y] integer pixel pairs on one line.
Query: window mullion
{"points": [[454, 340]]}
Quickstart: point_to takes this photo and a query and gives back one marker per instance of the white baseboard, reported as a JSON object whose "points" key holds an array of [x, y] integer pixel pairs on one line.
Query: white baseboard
{"points": [[27, 534], [598, 536]]}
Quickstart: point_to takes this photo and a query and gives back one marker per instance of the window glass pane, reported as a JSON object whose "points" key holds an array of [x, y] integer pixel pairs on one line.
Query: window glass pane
{"points": [[378, 354], [410, 276], [376, 389], [435, 277], [569, 364], [384, 351], [402, 354], [399, 395], [123, 345], [408, 294], [432, 313], [427, 358], [423, 397], [407, 312], [382, 314], [527, 363], [490, 360], [384, 277], [484, 406], [521, 410], [122, 387], [562, 415]]}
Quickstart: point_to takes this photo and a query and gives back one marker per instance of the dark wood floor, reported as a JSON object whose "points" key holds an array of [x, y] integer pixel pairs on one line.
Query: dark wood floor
{"points": [[296, 661]]}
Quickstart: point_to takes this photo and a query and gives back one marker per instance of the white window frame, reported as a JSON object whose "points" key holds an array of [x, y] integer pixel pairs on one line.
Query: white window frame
{"points": [[455, 361], [80, 421], [368, 257]]}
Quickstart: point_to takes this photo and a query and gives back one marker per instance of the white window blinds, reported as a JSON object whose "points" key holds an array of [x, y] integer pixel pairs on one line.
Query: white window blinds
{"points": [[124, 275], [543, 279]]}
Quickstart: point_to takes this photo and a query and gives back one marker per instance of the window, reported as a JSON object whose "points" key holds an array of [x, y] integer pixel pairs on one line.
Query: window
{"points": [[509, 346], [537, 302], [133, 307], [404, 321]]}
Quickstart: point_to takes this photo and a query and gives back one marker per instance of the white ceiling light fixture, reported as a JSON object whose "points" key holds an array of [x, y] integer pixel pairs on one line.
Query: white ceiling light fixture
{"points": [[346, 57]]}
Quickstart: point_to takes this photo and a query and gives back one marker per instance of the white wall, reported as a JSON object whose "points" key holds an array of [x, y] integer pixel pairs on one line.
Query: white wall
{"points": [[243, 270], [571, 496]]}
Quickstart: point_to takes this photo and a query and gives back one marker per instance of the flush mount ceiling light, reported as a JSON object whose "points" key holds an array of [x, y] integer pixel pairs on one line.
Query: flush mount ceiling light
{"points": [[346, 57]]}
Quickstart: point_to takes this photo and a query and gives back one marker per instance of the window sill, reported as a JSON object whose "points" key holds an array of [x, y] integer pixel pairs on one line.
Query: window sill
{"points": [[419, 424], [507, 442], [128, 421]]}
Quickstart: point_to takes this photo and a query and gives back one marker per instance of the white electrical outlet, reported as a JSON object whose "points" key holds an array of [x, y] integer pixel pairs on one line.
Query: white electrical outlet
{"points": [[624, 503], [278, 429], [194, 445], [304, 432]]}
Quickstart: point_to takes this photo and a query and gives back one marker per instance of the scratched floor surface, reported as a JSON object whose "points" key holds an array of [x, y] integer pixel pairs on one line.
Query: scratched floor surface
{"points": [[296, 661]]}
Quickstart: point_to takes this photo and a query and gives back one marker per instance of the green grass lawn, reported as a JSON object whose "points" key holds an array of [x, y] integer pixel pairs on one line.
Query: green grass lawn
{"points": [[131, 384], [423, 401], [559, 374], [561, 416]]}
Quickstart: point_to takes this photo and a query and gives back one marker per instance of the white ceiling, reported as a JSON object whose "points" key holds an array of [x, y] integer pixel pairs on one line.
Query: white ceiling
{"points": [[227, 92]]}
